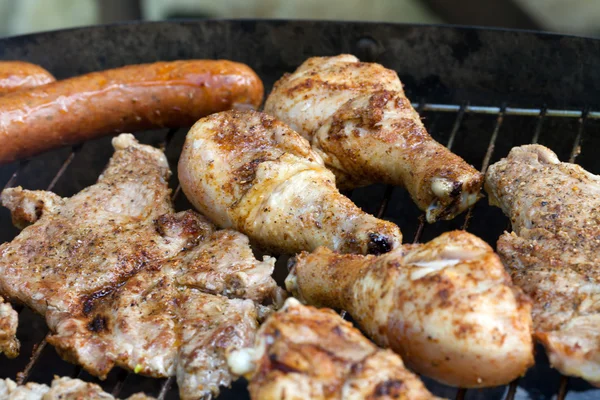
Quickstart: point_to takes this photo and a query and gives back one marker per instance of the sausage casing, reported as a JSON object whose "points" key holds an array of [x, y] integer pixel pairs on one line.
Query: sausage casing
{"points": [[131, 98], [19, 75]]}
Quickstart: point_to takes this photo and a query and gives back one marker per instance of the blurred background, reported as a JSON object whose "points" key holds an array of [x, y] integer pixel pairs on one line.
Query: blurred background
{"points": [[565, 16]]}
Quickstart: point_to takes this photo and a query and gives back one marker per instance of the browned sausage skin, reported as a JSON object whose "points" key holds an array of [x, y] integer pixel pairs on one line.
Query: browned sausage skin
{"points": [[136, 97], [19, 75]]}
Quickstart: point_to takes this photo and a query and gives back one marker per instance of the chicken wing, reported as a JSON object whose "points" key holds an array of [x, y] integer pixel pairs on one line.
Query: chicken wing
{"points": [[62, 389], [249, 171], [447, 306], [302, 353], [360, 122], [553, 252], [124, 281]]}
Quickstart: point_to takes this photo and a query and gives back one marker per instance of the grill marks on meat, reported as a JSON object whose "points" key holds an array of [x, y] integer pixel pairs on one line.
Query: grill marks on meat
{"points": [[446, 306], [301, 352], [553, 252], [249, 171], [61, 389], [124, 281], [360, 122], [177, 318]]}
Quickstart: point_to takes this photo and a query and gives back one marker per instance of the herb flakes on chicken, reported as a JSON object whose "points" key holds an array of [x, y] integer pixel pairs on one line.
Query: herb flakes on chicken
{"points": [[553, 252], [249, 171], [123, 280], [447, 306], [301, 352], [359, 120]]}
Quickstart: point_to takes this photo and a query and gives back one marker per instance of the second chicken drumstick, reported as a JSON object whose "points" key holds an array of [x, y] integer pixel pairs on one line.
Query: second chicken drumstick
{"points": [[446, 306], [249, 171]]}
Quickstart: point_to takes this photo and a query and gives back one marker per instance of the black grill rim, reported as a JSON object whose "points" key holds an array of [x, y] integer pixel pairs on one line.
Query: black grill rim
{"points": [[571, 90]]}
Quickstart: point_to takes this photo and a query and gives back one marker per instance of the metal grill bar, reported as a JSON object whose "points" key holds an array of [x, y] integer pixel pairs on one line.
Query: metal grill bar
{"points": [[164, 389], [563, 389], [456, 126], [538, 126], [386, 200], [512, 390], [490, 149], [460, 394], [420, 229], [35, 356], [77, 372], [168, 138], [577, 143], [486, 160], [176, 192], [64, 167], [121, 378], [526, 112], [15, 174]]}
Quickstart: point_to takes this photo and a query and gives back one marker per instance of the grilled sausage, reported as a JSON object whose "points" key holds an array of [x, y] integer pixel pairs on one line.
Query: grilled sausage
{"points": [[136, 97], [18, 75]]}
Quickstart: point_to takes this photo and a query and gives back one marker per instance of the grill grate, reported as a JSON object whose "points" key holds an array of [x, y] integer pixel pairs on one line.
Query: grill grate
{"points": [[464, 128]]}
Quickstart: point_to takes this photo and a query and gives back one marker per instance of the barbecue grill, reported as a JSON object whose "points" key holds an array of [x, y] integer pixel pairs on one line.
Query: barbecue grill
{"points": [[480, 92]]}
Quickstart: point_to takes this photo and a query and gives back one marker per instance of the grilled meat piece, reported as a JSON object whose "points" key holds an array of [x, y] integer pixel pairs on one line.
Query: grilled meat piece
{"points": [[62, 389], [123, 280], [301, 352], [446, 306], [358, 119], [249, 171], [9, 320], [553, 252]]}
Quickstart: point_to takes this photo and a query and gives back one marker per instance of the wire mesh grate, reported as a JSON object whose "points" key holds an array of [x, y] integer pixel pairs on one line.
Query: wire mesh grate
{"points": [[455, 127]]}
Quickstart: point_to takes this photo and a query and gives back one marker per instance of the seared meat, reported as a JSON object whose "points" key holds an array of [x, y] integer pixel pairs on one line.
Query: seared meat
{"points": [[446, 306], [248, 171], [9, 320], [61, 389], [302, 353], [358, 119], [553, 252], [123, 280]]}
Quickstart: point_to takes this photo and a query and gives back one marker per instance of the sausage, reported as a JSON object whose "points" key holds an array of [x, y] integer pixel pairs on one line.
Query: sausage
{"points": [[18, 75], [136, 97]]}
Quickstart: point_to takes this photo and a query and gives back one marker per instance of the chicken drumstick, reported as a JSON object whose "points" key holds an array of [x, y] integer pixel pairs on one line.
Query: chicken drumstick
{"points": [[249, 171], [358, 119], [446, 306]]}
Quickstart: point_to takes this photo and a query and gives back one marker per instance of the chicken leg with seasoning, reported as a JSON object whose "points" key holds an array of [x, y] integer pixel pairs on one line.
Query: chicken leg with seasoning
{"points": [[360, 122], [447, 306], [249, 171], [553, 252], [301, 352]]}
